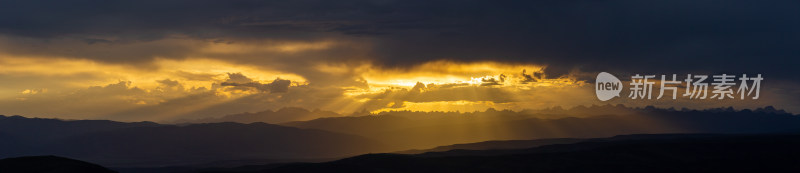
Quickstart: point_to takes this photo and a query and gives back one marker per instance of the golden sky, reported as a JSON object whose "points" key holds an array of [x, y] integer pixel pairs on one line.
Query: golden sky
{"points": [[167, 89], [207, 84], [161, 61]]}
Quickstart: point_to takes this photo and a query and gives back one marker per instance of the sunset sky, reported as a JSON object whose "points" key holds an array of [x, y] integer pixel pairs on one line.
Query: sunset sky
{"points": [[170, 60]]}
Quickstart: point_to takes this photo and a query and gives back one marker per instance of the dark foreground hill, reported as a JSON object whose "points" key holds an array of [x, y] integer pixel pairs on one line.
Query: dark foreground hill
{"points": [[632, 153], [49, 164]]}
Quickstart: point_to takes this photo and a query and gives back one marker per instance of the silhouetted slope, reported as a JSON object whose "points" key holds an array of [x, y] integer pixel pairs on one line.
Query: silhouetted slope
{"points": [[431, 129], [496, 145], [9, 141], [647, 153], [173, 145], [49, 164], [149, 144], [21, 136], [43, 129], [282, 115]]}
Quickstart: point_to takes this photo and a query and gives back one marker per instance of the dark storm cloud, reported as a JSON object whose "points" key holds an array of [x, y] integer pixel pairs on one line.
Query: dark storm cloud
{"points": [[616, 36], [621, 36]]}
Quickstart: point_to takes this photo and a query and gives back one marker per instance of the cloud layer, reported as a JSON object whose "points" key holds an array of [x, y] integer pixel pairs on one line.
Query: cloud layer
{"points": [[161, 60]]}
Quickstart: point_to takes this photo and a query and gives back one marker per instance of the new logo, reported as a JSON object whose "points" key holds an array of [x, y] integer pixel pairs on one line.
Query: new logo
{"points": [[607, 86]]}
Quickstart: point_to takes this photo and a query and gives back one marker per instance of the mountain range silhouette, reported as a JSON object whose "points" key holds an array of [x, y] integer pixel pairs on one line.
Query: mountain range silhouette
{"points": [[148, 144]]}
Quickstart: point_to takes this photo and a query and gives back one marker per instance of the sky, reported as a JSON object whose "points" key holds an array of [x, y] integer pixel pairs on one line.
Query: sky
{"points": [[179, 59]]}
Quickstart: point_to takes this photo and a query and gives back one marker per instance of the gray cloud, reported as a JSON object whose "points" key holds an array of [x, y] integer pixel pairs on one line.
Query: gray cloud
{"points": [[646, 37]]}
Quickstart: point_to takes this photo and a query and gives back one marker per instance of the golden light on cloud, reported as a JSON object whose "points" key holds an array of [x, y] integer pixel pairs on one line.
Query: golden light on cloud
{"points": [[169, 89], [80, 87], [190, 72], [162, 85], [221, 68], [210, 66], [442, 106], [443, 71], [451, 86]]}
